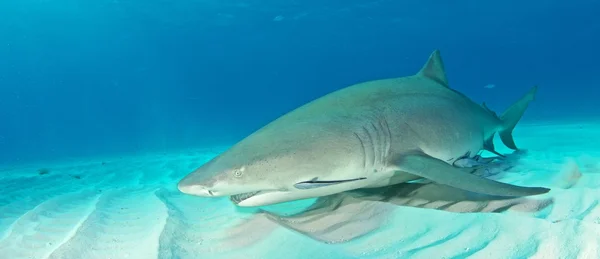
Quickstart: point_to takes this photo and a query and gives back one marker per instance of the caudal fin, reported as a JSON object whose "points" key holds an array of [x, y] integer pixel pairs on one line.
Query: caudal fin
{"points": [[511, 117]]}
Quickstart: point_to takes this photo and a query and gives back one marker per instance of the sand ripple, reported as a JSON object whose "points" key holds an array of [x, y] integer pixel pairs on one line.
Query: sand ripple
{"points": [[129, 208]]}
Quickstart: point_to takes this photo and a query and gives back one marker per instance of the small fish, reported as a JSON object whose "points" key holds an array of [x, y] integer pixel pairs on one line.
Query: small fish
{"points": [[315, 183], [466, 161], [473, 162]]}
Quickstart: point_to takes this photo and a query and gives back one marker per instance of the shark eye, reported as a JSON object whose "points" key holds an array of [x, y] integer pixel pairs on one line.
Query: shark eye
{"points": [[238, 173]]}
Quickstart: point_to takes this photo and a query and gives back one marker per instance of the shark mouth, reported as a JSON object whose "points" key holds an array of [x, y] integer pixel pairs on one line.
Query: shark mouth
{"points": [[242, 196]]}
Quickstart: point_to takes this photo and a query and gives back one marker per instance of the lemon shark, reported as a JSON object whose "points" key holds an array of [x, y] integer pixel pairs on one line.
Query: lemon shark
{"points": [[368, 135]]}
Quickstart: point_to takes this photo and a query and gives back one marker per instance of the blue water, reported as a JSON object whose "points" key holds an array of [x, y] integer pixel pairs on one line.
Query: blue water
{"points": [[106, 104], [86, 78]]}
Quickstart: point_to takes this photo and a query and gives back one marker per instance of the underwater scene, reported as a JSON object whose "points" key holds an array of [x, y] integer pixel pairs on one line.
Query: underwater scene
{"points": [[299, 129]]}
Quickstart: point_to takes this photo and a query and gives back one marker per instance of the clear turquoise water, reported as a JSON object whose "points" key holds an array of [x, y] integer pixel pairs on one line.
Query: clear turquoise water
{"points": [[129, 207], [106, 104]]}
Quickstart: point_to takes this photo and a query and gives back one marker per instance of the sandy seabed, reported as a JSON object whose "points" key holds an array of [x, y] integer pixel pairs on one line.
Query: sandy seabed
{"points": [[129, 207]]}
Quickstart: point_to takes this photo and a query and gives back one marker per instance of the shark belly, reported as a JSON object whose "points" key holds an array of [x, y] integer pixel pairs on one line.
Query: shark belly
{"points": [[392, 178]]}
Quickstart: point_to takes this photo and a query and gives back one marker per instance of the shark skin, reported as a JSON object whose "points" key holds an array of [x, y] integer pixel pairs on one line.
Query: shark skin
{"points": [[369, 135]]}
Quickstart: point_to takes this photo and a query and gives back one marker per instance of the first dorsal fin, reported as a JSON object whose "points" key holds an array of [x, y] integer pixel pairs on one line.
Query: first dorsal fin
{"points": [[434, 69]]}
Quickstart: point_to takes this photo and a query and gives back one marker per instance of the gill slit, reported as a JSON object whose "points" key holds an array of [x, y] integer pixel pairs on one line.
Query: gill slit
{"points": [[371, 143], [376, 145], [388, 143], [364, 152]]}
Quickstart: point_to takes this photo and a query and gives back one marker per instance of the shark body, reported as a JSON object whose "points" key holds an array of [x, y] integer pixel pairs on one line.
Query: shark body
{"points": [[368, 135]]}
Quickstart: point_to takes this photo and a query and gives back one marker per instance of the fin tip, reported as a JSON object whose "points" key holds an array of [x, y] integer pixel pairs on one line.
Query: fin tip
{"points": [[434, 68]]}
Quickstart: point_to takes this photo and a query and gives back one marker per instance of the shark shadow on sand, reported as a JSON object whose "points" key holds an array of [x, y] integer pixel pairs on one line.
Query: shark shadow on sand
{"points": [[349, 215]]}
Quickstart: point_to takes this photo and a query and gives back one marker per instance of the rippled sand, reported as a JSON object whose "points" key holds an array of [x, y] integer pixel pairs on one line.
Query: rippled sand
{"points": [[129, 207]]}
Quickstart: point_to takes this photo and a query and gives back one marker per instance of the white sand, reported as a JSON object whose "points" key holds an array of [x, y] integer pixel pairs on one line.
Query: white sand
{"points": [[130, 208]]}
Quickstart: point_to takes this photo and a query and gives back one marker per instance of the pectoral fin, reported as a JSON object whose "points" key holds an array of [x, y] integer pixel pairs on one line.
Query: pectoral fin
{"points": [[443, 173], [315, 183]]}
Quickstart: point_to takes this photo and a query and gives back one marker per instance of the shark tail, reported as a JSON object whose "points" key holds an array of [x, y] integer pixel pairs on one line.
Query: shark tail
{"points": [[511, 117]]}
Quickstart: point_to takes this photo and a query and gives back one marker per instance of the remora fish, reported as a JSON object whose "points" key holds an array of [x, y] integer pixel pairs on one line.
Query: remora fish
{"points": [[367, 135]]}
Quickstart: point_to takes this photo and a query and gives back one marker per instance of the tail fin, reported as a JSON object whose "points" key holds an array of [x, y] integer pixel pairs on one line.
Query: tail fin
{"points": [[511, 117]]}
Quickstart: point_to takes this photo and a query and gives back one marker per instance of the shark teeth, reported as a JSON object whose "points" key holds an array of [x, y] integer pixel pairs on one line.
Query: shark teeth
{"points": [[240, 197]]}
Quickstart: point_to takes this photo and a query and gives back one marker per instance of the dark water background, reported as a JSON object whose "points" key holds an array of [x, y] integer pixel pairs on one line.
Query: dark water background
{"points": [[97, 77]]}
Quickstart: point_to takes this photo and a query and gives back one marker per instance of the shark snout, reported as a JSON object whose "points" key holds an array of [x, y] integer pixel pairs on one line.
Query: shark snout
{"points": [[210, 190], [217, 180], [194, 184], [206, 188], [197, 190], [211, 187]]}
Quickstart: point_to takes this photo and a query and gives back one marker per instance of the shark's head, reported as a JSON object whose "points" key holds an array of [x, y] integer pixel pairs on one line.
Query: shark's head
{"points": [[258, 173]]}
